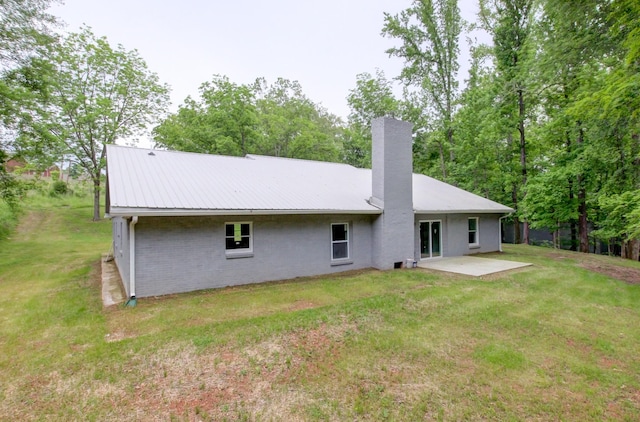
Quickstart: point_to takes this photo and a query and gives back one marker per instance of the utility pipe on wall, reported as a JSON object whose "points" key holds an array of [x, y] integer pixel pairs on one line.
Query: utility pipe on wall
{"points": [[132, 261]]}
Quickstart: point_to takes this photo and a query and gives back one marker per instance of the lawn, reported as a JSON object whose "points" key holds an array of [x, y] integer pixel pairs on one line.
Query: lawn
{"points": [[555, 341]]}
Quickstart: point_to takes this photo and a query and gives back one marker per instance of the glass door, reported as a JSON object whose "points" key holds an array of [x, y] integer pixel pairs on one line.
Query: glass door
{"points": [[430, 239]]}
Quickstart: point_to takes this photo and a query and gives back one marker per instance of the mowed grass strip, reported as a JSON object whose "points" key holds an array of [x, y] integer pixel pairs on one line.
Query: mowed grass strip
{"points": [[555, 341]]}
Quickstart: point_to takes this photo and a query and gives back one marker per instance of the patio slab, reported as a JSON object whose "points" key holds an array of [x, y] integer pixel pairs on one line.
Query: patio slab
{"points": [[471, 265]]}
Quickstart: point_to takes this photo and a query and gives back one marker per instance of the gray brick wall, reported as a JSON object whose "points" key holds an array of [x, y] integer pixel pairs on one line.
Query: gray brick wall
{"points": [[179, 254], [392, 188], [455, 233]]}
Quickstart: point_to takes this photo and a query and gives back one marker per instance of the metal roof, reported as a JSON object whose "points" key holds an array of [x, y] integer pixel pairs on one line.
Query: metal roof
{"points": [[155, 182]]}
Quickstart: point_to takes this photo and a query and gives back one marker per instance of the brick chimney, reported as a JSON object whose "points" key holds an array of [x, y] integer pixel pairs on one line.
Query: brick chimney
{"points": [[392, 190]]}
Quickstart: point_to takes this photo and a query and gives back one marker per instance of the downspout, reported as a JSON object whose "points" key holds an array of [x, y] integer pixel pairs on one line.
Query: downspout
{"points": [[132, 261]]}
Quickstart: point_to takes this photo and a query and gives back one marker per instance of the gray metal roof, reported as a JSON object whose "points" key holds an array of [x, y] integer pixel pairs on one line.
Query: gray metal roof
{"points": [[154, 182]]}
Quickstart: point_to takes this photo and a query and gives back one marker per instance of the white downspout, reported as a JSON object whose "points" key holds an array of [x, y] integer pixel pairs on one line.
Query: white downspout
{"points": [[132, 261]]}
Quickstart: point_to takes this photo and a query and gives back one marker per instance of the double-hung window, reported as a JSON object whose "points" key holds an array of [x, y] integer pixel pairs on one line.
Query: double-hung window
{"points": [[238, 238], [474, 240], [339, 241]]}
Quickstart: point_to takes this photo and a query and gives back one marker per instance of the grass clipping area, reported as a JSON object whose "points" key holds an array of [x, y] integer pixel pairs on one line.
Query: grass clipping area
{"points": [[555, 341]]}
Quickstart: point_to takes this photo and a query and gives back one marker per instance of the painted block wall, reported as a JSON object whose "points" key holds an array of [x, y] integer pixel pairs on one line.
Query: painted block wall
{"points": [[455, 233], [180, 254], [392, 190], [120, 229]]}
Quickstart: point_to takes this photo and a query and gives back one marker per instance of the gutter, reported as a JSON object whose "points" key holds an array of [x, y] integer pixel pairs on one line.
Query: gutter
{"points": [[151, 212], [132, 261]]}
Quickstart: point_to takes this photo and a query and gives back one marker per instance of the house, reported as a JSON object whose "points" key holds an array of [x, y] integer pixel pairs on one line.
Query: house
{"points": [[19, 166], [185, 221]]}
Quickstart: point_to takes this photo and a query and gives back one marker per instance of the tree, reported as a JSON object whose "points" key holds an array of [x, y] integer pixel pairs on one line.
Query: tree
{"points": [[291, 125], [239, 119], [24, 28], [94, 95], [576, 54], [223, 121], [480, 149], [510, 23], [372, 97], [428, 32]]}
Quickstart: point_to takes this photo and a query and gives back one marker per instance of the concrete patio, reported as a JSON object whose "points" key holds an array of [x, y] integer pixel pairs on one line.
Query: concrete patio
{"points": [[470, 265]]}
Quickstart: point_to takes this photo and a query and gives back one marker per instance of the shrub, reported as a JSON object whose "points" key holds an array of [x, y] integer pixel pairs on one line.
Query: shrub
{"points": [[59, 188]]}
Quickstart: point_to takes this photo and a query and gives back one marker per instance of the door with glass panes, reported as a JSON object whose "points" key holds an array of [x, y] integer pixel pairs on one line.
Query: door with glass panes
{"points": [[430, 239]]}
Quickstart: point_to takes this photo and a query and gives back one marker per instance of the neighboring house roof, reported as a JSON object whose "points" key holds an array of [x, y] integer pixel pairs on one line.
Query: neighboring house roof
{"points": [[153, 182]]}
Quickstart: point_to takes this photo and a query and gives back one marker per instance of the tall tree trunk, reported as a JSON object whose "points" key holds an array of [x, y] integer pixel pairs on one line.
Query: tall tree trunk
{"points": [[517, 239], [523, 155], [443, 165], [572, 223], [583, 226], [96, 198], [635, 249]]}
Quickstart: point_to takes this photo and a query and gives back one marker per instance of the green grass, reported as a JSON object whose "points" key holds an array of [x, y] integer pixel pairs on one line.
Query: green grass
{"points": [[555, 341]]}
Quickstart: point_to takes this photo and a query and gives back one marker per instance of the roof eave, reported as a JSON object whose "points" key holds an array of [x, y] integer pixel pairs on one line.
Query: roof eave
{"points": [[154, 212], [466, 211]]}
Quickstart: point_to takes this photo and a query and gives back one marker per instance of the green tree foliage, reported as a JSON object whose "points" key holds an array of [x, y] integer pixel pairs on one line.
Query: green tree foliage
{"points": [[93, 95], [548, 121], [372, 97], [25, 28], [480, 150], [588, 93], [622, 221], [223, 121], [428, 32], [291, 125], [25, 25], [510, 23], [237, 119]]}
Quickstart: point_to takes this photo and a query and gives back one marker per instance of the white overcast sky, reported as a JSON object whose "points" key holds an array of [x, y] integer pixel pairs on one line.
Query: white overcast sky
{"points": [[321, 44]]}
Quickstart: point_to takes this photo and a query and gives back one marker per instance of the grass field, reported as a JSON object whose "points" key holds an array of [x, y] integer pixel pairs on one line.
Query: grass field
{"points": [[556, 341]]}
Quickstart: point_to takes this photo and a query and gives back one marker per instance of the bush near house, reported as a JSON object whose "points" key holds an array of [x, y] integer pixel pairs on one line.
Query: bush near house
{"points": [[555, 341]]}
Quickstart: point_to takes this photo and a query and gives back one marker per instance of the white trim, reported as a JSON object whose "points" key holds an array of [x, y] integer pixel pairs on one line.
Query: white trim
{"points": [[475, 244], [132, 256], [430, 239], [347, 241], [239, 252]]}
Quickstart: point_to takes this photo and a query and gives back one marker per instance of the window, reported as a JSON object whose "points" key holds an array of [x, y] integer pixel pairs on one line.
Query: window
{"points": [[473, 231], [238, 238], [339, 241]]}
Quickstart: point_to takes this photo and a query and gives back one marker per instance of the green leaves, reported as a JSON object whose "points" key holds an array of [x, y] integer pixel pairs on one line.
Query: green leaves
{"points": [[428, 33], [235, 119], [372, 97], [82, 95]]}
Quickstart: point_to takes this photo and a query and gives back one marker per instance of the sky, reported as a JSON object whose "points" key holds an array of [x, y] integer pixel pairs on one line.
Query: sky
{"points": [[323, 45]]}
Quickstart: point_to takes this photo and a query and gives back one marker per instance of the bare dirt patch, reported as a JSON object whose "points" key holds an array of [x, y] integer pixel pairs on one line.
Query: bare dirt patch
{"points": [[232, 383], [626, 274], [300, 305], [596, 263], [31, 224]]}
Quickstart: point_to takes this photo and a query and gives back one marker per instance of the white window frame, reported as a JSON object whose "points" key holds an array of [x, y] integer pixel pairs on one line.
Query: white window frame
{"points": [[476, 232], [430, 223], [239, 252], [347, 241]]}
